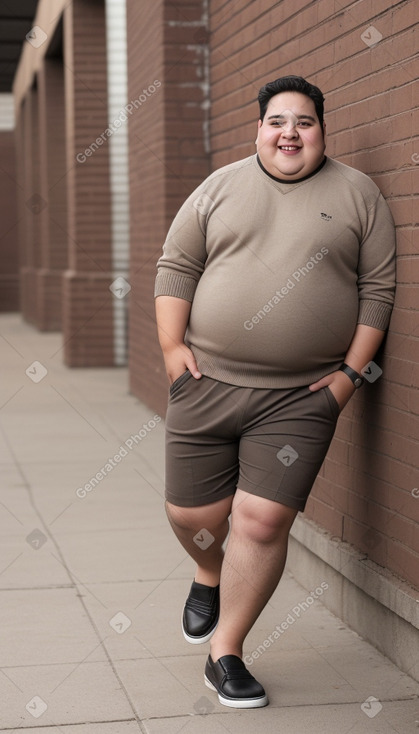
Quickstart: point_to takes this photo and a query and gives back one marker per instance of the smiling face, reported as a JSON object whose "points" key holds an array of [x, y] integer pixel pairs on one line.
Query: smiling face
{"points": [[290, 140]]}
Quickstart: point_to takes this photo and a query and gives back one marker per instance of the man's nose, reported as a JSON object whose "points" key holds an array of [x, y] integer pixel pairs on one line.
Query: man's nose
{"points": [[289, 128]]}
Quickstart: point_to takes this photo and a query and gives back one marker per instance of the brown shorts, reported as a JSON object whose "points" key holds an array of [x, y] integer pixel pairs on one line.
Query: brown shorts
{"points": [[270, 443]]}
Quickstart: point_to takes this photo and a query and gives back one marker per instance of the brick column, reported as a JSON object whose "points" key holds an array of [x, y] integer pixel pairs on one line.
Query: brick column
{"points": [[21, 229], [32, 205], [87, 301], [169, 157], [9, 264], [53, 191]]}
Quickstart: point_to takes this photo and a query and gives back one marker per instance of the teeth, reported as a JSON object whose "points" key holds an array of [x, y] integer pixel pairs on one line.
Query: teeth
{"points": [[288, 147]]}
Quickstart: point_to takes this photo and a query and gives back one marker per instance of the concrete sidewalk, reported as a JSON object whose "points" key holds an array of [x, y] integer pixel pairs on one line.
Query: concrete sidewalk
{"points": [[93, 581]]}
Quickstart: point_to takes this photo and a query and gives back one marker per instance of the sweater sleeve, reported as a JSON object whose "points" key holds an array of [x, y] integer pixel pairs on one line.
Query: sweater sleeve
{"points": [[376, 267], [184, 252]]}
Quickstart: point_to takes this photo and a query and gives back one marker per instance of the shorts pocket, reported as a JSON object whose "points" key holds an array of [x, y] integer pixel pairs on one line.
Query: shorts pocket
{"points": [[334, 405], [177, 384]]}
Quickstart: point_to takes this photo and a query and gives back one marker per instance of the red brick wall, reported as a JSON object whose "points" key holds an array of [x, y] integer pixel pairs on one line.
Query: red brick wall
{"points": [[22, 211], [364, 493], [29, 206], [363, 56], [147, 193], [167, 159], [9, 261], [87, 317], [53, 190], [64, 202]]}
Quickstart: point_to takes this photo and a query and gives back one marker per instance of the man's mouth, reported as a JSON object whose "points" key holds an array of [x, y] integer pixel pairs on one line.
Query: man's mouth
{"points": [[289, 148]]}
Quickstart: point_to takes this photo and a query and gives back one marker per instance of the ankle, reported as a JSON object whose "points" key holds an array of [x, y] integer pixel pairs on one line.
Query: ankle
{"points": [[228, 650], [218, 648], [206, 577]]}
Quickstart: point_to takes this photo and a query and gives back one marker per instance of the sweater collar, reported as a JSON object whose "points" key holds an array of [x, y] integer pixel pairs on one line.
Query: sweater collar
{"points": [[294, 181]]}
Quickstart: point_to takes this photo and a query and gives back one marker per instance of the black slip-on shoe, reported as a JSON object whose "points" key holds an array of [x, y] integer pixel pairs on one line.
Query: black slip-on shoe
{"points": [[200, 613], [235, 686]]}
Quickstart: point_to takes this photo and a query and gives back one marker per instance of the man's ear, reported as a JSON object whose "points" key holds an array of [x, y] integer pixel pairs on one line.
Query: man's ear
{"points": [[259, 126], [324, 130]]}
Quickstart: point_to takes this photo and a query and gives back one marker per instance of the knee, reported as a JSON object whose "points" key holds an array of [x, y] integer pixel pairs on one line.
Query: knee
{"points": [[211, 517], [263, 527], [183, 518]]}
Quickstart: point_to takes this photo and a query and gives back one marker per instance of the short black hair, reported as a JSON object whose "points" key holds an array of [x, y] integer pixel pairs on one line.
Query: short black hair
{"points": [[291, 84]]}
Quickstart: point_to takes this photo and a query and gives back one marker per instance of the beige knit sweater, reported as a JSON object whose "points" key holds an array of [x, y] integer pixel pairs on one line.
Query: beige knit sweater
{"points": [[279, 273]]}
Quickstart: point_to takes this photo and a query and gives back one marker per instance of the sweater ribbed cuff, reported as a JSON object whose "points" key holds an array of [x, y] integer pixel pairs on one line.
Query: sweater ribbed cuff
{"points": [[171, 283], [374, 313]]}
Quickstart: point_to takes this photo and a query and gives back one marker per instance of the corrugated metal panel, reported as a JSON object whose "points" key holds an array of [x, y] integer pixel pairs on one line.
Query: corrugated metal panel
{"points": [[118, 156], [7, 113]]}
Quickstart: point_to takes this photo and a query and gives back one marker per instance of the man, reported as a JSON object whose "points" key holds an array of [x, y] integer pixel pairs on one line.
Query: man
{"points": [[274, 291]]}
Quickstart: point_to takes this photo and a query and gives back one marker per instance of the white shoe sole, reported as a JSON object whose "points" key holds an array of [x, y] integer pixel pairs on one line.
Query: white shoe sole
{"points": [[196, 640], [237, 703]]}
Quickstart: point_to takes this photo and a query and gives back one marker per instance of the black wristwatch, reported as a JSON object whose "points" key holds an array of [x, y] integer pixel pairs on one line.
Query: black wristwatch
{"points": [[354, 376]]}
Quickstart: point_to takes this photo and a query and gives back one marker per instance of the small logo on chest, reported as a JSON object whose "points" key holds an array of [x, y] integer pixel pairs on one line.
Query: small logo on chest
{"points": [[326, 217]]}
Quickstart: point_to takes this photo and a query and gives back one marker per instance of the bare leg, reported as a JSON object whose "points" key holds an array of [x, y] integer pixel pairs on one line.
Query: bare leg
{"points": [[253, 565], [187, 522]]}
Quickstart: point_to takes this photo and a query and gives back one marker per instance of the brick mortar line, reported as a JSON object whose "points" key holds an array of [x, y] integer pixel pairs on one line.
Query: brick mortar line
{"points": [[281, 26], [314, 50]]}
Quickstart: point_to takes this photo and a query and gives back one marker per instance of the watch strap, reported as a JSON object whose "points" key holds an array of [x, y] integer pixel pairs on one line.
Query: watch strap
{"points": [[356, 378]]}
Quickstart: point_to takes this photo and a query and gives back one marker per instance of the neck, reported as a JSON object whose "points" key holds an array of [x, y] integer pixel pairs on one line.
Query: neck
{"points": [[292, 180]]}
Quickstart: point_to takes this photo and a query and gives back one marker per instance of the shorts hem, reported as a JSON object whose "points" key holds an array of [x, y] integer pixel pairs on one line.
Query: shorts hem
{"points": [[283, 499], [179, 502]]}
